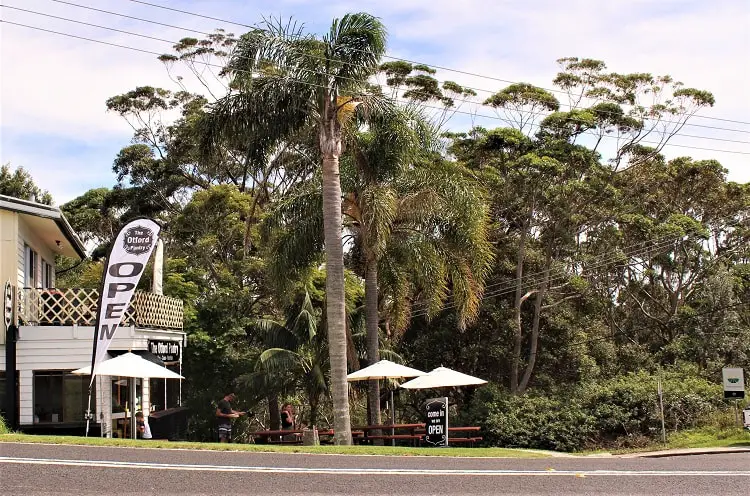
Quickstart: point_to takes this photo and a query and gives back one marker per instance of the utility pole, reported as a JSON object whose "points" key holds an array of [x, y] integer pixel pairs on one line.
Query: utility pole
{"points": [[660, 392]]}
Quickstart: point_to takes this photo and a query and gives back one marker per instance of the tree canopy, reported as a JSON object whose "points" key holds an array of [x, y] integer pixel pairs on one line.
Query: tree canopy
{"points": [[319, 216]]}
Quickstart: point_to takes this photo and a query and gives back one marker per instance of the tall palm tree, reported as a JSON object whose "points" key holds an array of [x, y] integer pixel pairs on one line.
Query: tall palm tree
{"points": [[300, 80], [418, 235], [417, 225]]}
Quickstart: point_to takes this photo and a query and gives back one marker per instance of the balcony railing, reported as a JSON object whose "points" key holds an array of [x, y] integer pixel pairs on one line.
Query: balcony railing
{"points": [[78, 306]]}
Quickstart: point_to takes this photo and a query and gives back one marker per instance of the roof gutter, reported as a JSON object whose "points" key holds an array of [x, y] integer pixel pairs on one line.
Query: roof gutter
{"points": [[47, 212]]}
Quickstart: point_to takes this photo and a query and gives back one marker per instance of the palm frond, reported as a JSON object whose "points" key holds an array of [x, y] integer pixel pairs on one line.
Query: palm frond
{"points": [[354, 47], [305, 323], [294, 230], [279, 359], [378, 205], [275, 335]]}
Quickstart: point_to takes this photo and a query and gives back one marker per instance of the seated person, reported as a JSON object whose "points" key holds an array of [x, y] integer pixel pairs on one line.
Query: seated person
{"points": [[141, 422], [287, 421]]}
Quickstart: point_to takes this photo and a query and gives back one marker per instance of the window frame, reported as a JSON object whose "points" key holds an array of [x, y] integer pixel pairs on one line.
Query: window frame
{"points": [[64, 374], [30, 276], [47, 275]]}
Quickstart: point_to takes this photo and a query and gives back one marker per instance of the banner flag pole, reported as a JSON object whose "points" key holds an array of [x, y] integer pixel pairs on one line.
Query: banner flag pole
{"points": [[127, 259]]}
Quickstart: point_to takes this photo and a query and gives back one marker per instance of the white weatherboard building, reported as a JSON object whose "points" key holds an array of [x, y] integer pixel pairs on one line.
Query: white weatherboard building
{"points": [[51, 331]]}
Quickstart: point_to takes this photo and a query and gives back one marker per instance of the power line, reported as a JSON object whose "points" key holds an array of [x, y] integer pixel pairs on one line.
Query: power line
{"points": [[36, 28], [131, 33], [509, 289], [597, 262], [195, 14], [487, 295], [511, 286], [103, 11], [215, 65], [626, 332], [109, 12], [346, 63], [449, 69], [493, 117]]}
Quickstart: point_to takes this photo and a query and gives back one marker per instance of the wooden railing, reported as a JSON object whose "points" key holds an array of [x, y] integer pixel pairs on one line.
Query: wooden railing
{"points": [[78, 306]]}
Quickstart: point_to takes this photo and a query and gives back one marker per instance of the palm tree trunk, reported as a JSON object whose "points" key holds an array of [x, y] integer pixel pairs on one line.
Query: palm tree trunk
{"points": [[314, 403], [335, 295], [273, 412], [373, 341]]}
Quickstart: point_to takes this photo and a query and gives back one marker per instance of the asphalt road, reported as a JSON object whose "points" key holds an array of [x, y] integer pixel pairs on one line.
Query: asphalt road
{"points": [[32, 469]]}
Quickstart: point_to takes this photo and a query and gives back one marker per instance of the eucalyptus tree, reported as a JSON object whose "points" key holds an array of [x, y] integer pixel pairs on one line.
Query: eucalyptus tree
{"points": [[417, 83], [697, 221], [302, 81], [20, 184], [550, 190], [622, 114]]}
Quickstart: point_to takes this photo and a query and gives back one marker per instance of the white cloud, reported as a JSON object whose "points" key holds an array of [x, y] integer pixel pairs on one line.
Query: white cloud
{"points": [[52, 85]]}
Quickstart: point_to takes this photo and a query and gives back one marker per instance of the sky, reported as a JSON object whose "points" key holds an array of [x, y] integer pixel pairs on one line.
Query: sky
{"points": [[53, 88]]}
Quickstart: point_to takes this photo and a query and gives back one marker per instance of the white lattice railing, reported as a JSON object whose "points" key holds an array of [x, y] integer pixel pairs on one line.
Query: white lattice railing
{"points": [[78, 306]]}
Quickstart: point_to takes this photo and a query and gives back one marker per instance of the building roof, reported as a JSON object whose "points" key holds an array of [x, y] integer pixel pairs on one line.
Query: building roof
{"points": [[47, 218]]}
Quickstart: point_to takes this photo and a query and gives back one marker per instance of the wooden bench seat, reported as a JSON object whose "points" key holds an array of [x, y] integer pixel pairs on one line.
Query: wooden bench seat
{"points": [[396, 436], [468, 440]]}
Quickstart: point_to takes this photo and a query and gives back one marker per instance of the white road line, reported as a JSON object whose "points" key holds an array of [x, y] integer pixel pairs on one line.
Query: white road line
{"points": [[369, 471]]}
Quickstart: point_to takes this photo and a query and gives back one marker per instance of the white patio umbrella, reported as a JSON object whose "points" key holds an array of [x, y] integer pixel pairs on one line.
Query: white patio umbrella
{"points": [[385, 369], [133, 366], [130, 365], [443, 377]]}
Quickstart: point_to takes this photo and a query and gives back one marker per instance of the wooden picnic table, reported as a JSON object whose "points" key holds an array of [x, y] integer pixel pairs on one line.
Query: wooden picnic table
{"points": [[290, 436], [282, 436], [367, 437], [414, 433], [469, 438]]}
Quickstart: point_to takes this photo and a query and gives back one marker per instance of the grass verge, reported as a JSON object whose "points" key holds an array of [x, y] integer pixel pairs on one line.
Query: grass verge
{"points": [[710, 438], [258, 448], [706, 437]]}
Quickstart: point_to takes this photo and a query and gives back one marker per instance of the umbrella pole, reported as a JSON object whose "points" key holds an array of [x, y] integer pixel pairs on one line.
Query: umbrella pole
{"points": [[393, 419], [133, 430], [88, 413]]}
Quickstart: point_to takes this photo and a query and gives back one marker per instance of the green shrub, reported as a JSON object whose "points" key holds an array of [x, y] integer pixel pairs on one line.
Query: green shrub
{"points": [[3, 428], [628, 405], [531, 421], [621, 412]]}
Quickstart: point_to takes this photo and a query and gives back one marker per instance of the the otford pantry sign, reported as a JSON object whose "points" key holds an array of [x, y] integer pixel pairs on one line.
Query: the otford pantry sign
{"points": [[138, 240], [167, 351]]}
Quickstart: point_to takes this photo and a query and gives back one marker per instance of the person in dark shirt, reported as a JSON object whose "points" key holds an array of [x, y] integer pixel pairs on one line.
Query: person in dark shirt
{"points": [[225, 414], [287, 421], [287, 417]]}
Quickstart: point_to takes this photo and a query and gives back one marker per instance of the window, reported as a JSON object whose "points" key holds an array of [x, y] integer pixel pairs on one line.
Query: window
{"points": [[165, 393], [60, 396], [121, 394], [4, 392], [30, 268], [48, 272]]}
